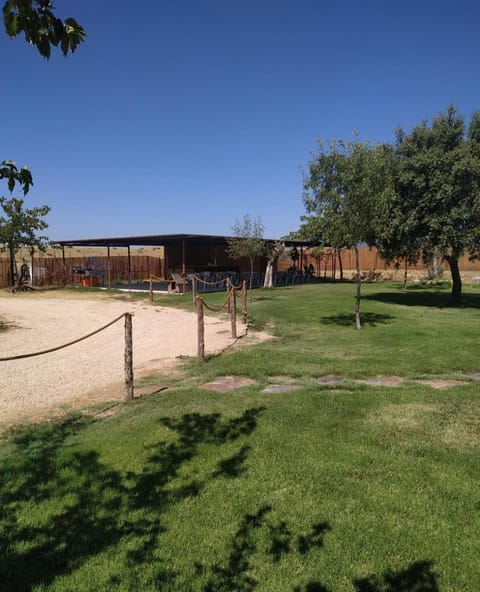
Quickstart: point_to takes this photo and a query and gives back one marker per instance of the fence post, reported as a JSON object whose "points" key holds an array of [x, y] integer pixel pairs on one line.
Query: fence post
{"points": [[151, 289], [194, 288], [244, 302], [233, 311], [228, 287], [128, 357], [201, 329]]}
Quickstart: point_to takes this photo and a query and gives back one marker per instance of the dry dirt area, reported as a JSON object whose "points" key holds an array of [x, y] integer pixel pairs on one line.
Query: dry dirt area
{"points": [[91, 370]]}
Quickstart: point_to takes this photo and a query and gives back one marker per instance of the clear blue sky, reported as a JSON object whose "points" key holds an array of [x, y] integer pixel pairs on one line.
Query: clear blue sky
{"points": [[184, 116]]}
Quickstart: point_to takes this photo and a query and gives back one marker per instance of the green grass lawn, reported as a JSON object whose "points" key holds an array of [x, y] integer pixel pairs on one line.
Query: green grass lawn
{"points": [[343, 487]]}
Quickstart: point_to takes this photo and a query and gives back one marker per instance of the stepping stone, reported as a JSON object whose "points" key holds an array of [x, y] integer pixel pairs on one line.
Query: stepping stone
{"points": [[441, 384], [223, 384], [330, 379], [280, 388], [382, 381]]}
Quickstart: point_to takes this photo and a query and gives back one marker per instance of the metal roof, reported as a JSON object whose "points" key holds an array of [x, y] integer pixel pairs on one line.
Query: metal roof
{"points": [[164, 240]]}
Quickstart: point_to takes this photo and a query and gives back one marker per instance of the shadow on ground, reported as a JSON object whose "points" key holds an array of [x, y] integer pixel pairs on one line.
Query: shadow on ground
{"points": [[419, 297], [370, 319], [88, 508]]}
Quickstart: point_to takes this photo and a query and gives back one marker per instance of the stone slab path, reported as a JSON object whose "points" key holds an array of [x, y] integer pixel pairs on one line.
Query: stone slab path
{"points": [[284, 384]]}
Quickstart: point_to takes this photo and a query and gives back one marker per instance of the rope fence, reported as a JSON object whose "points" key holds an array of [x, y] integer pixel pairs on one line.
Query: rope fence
{"points": [[128, 350], [230, 304]]}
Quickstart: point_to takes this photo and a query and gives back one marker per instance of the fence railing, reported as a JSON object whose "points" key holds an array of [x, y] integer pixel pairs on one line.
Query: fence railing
{"points": [[128, 350], [230, 305]]}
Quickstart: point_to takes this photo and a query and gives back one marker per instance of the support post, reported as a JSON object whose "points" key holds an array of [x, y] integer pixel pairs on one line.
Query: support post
{"points": [[64, 268], [194, 288], [233, 311], [184, 271], [129, 268], [228, 287], [128, 357], [151, 289], [201, 329], [109, 272], [244, 302]]}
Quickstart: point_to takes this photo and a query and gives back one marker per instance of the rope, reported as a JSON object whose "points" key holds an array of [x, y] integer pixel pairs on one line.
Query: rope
{"points": [[217, 308], [47, 351], [239, 287], [199, 279]]}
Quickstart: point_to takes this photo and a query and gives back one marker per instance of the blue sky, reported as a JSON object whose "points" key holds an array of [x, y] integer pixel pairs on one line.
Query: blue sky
{"points": [[185, 116]]}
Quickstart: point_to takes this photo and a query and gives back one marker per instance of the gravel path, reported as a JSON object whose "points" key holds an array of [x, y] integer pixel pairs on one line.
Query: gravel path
{"points": [[92, 370]]}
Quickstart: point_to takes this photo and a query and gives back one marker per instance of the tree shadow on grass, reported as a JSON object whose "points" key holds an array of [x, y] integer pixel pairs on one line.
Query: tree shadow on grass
{"points": [[259, 533], [370, 319], [425, 298], [87, 507]]}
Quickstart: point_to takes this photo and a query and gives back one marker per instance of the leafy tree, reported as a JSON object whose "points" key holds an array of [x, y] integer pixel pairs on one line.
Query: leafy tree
{"points": [[36, 20], [344, 191], [247, 241], [19, 226], [435, 204]]}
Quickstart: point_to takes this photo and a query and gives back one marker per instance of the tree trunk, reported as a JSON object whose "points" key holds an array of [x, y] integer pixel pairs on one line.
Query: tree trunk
{"points": [[456, 292], [358, 324], [405, 272], [334, 265], [268, 283], [340, 263], [12, 265]]}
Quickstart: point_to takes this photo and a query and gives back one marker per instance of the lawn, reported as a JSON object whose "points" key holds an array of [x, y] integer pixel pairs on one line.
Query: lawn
{"points": [[330, 487]]}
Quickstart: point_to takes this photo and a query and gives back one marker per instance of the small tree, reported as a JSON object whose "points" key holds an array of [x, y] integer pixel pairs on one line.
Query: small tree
{"points": [[247, 241], [19, 226], [344, 190], [273, 251]]}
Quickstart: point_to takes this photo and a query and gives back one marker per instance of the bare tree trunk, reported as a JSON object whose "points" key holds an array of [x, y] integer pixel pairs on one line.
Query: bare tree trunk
{"points": [[268, 283], [456, 292], [340, 263], [358, 324], [334, 264], [405, 274]]}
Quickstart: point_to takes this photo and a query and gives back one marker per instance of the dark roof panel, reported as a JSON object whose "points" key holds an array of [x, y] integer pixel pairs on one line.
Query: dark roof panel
{"points": [[164, 240]]}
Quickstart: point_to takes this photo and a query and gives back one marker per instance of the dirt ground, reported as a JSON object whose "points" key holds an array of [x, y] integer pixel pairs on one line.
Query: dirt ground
{"points": [[91, 370]]}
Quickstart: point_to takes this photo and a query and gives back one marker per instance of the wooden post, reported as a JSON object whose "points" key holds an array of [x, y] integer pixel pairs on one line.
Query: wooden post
{"points": [[194, 288], [233, 311], [129, 268], [201, 329], [151, 289], [128, 357], [109, 269], [184, 271], [228, 287], [244, 302]]}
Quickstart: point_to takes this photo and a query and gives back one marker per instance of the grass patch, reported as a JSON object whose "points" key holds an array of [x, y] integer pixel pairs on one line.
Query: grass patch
{"points": [[342, 487]]}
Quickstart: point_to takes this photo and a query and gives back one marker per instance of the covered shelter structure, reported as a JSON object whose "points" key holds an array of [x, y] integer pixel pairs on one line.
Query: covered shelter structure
{"points": [[183, 253]]}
